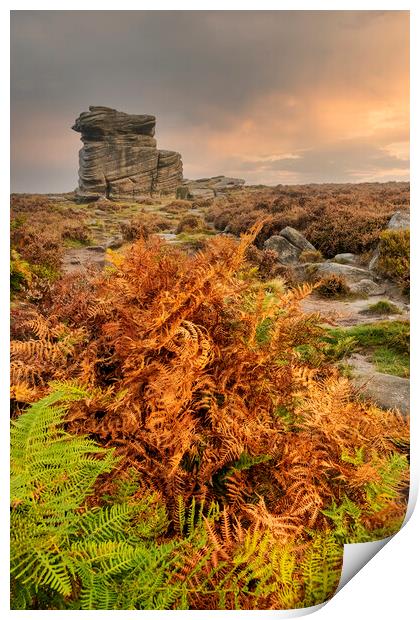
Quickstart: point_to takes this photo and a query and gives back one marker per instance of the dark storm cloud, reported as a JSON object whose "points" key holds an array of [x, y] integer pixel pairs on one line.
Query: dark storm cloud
{"points": [[201, 73]]}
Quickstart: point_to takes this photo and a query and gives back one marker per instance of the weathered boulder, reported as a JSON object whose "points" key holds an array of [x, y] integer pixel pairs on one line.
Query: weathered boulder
{"points": [[346, 258], [367, 287], [119, 159], [287, 253], [349, 272], [399, 221], [200, 192], [296, 238], [207, 188]]}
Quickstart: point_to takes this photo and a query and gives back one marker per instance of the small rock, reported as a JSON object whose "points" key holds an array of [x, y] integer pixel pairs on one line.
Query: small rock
{"points": [[287, 252], [399, 221], [95, 248], [346, 258], [296, 238], [367, 287], [115, 243], [75, 261]]}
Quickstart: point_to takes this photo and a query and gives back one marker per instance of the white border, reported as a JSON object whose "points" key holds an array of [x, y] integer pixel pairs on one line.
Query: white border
{"points": [[387, 586]]}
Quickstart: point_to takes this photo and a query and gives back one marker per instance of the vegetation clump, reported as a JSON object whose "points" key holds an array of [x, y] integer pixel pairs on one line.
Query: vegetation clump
{"points": [[177, 206], [266, 263], [386, 342], [335, 218], [190, 223], [251, 465], [311, 256], [382, 307], [394, 257], [332, 286], [143, 224], [174, 444]]}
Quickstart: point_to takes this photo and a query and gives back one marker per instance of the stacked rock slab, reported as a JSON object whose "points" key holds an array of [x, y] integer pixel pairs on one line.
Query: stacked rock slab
{"points": [[119, 158]]}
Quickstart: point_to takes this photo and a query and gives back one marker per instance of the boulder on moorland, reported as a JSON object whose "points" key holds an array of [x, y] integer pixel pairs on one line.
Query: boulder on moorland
{"points": [[296, 238], [287, 253], [350, 273]]}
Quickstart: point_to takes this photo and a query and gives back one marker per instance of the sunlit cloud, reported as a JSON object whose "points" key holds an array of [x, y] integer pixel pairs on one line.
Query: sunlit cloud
{"points": [[273, 97]]}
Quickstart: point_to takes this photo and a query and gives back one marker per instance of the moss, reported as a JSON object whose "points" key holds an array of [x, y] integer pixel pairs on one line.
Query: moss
{"points": [[76, 243], [386, 342], [382, 307]]}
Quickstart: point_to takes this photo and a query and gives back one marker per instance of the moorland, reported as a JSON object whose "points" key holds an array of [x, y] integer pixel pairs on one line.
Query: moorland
{"points": [[190, 425]]}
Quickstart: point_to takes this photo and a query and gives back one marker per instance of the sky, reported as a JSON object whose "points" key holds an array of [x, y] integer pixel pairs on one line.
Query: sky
{"points": [[268, 96]]}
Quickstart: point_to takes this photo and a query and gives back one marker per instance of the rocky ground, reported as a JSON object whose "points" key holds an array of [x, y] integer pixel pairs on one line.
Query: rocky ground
{"points": [[105, 227], [387, 390]]}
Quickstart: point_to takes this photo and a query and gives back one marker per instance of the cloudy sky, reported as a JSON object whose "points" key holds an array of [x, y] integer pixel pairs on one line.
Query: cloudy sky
{"points": [[272, 97]]}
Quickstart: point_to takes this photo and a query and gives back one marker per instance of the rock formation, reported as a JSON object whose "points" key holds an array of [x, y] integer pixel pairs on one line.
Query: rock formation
{"points": [[207, 188], [119, 158], [289, 244]]}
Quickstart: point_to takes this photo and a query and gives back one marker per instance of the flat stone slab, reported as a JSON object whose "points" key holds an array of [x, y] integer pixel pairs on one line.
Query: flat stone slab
{"points": [[367, 287], [349, 272], [388, 391], [345, 313]]}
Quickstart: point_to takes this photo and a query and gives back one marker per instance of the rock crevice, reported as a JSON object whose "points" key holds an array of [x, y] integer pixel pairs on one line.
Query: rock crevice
{"points": [[120, 159]]}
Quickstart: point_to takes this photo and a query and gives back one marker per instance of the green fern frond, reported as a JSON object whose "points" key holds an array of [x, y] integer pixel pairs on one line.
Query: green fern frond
{"points": [[321, 569]]}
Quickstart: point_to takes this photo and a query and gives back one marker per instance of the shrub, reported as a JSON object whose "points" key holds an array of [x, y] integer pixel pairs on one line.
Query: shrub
{"points": [[190, 223], [142, 225], [177, 206], [311, 256], [394, 257], [66, 554], [382, 307], [76, 232], [20, 272], [266, 262], [332, 286]]}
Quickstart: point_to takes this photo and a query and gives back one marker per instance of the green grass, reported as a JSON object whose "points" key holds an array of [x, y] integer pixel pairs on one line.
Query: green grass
{"points": [[386, 343], [382, 307], [387, 361]]}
